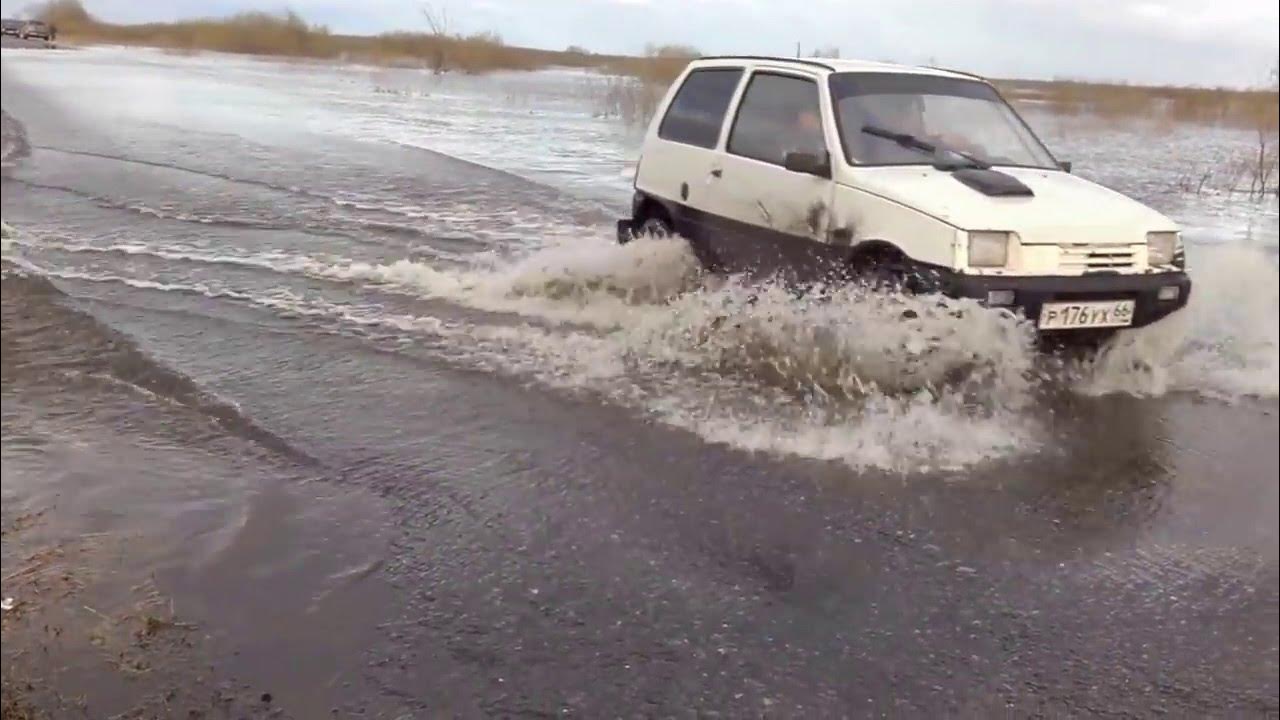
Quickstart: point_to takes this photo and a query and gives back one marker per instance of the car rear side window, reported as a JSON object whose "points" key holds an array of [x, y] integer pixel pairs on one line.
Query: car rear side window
{"points": [[778, 114], [697, 111]]}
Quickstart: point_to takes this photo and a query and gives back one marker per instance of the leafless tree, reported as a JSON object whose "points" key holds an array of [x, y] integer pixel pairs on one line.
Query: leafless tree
{"points": [[437, 18], [1268, 157], [439, 27]]}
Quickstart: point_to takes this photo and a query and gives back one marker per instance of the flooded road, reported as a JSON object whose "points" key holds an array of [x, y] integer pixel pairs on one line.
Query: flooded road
{"points": [[342, 368]]}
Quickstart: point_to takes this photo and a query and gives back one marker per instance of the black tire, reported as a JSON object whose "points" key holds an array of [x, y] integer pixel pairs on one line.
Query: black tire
{"points": [[655, 226], [879, 273], [658, 226], [896, 274]]}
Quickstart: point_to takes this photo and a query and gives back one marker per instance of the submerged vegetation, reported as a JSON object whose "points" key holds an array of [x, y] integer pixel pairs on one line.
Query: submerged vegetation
{"points": [[637, 84], [1254, 170]]}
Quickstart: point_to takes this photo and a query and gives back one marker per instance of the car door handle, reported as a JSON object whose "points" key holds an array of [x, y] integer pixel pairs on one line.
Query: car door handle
{"points": [[717, 173]]}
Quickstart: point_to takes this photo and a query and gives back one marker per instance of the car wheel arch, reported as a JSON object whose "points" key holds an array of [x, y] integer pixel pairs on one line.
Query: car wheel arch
{"points": [[883, 264], [649, 207], [869, 253]]}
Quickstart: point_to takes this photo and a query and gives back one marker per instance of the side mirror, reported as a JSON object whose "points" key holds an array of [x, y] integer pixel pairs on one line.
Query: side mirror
{"points": [[1065, 165], [808, 163]]}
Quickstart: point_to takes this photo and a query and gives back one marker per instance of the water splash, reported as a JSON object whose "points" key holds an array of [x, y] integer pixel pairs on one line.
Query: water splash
{"points": [[843, 342], [1224, 345], [582, 281], [869, 379]]}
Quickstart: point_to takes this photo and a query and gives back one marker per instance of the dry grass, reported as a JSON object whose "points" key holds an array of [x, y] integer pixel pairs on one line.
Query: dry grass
{"points": [[14, 704], [638, 84], [49, 631], [659, 65], [289, 35], [629, 99], [1240, 108]]}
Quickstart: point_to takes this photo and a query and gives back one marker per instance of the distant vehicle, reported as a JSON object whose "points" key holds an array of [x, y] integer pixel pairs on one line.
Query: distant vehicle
{"points": [[918, 178], [12, 27], [37, 29]]}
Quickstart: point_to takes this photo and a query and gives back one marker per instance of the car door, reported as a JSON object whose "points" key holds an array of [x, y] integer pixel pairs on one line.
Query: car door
{"points": [[769, 218], [680, 153]]}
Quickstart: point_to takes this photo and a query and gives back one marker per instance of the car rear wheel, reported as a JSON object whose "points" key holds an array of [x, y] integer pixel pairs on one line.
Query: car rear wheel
{"points": [[654, 226], [658, 226]]}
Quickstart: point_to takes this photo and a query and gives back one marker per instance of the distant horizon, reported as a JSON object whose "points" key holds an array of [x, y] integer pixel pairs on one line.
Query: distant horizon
{"points": [[1152, 42]]}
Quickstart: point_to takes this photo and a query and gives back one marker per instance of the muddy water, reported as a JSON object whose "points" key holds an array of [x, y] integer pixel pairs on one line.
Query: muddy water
{"points": [[344, 364]]}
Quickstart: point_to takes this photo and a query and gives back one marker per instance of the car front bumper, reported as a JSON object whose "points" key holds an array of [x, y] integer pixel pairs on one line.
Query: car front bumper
{"points": [[1031, 293]]}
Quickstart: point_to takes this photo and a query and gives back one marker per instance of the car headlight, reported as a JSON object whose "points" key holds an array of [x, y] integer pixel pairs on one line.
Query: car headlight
{"points": [[1162, 248], [988, 249]]}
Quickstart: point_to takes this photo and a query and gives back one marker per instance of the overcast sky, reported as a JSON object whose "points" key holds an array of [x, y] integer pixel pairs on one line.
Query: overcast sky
{"points": [[1203, 42]]}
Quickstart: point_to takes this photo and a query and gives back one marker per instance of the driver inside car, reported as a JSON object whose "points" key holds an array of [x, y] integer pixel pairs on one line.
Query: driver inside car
{"points": [[906, 114], [804, 135]]}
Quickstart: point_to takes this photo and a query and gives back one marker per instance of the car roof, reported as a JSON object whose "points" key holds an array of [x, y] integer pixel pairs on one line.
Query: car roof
{"points": [[833, 65]]}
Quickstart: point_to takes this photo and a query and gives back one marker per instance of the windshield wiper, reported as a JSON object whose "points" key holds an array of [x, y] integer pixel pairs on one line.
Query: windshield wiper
{"points": [[912, 142]]}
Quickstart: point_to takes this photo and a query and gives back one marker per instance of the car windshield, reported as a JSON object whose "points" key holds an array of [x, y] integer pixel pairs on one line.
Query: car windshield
{"points": [[965, 116]]}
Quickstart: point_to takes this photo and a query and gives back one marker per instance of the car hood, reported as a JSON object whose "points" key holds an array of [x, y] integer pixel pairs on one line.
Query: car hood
{"points": [[1063, 206]]}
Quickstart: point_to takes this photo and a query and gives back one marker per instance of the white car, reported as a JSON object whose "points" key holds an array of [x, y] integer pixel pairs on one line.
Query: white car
{"points": [[920, 177]]}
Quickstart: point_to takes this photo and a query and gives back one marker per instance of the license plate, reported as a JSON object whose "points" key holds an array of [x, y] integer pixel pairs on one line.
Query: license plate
{"points": [[1071, 315]]}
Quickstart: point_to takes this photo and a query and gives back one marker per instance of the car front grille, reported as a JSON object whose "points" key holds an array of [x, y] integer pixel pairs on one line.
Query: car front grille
{"points": [[1090, 257]]}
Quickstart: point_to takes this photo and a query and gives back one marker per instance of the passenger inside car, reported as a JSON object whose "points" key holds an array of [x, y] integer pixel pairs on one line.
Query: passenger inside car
{"points": [[806, 133], [899, 114]]}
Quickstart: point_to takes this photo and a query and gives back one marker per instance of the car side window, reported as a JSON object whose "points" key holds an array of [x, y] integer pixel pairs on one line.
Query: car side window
{"points": [[778, 114], [698, 109]]}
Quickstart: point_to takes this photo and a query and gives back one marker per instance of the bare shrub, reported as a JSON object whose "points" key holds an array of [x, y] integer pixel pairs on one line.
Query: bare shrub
{"points": [[630, 99], [1263, 170], [639, 83]]}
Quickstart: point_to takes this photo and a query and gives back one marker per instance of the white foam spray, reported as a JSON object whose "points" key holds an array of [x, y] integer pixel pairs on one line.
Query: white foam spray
{"points": [[1225, 344], [872, 380]]}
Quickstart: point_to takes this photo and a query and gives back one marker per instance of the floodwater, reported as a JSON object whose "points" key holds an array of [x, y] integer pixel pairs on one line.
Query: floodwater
{"points": [[343, 364]]}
